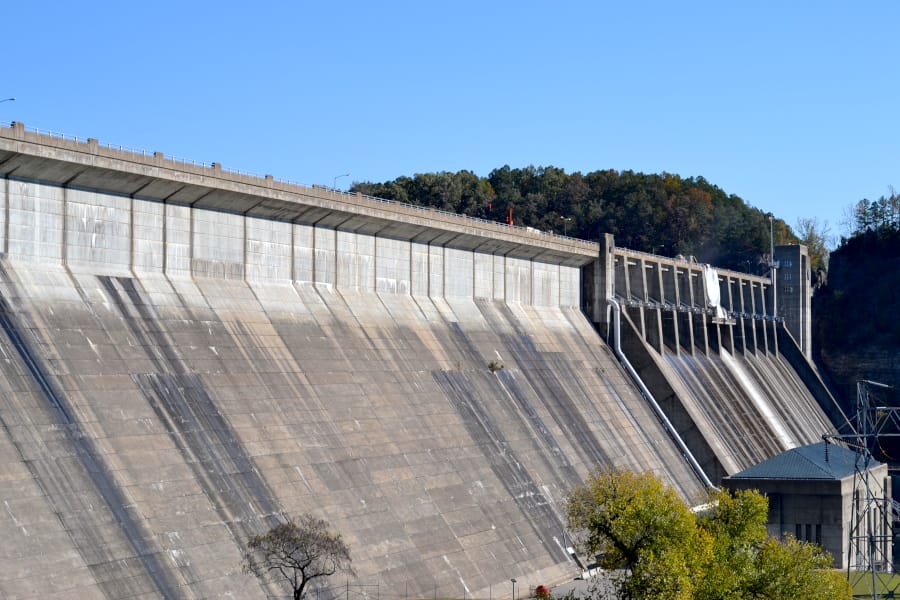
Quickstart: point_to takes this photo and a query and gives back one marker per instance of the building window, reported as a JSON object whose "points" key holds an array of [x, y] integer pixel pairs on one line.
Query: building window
{"points": [[819, 534], [785, 263], [809, 536], [786, 276], [799, 532]]}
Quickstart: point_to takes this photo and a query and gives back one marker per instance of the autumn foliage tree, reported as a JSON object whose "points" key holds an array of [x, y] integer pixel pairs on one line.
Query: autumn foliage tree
{"points": [[640, 529], [660, 213], [816, 236], [296, 552]]}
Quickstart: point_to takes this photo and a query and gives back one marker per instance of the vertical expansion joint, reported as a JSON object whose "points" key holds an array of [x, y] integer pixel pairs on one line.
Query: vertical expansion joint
{"points": [[312, 243], [335, 248], [531, 281], [293, 261], [428, 289], [64, 227], [244, 266], [559, 286], [505, 277], [165, 241], [191, 240], [131, 235], [6, 215]]}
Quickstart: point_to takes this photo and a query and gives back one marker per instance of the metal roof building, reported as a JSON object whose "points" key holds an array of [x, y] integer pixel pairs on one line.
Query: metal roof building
{"points": [[812, 491]]}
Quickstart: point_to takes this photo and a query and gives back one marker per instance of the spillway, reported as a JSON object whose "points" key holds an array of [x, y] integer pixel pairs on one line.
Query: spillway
{"points": [[732, 379], [188, 353]]}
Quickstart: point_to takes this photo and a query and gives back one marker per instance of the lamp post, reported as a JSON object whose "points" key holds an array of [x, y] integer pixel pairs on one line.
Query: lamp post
{"points": [[7, 100], [336, 177], [513, 580], [771, 240], [772, 264], [565, 221]]}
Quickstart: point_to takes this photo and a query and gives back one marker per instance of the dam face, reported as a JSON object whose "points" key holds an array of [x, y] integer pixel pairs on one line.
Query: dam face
{"points": [[188, 353]]}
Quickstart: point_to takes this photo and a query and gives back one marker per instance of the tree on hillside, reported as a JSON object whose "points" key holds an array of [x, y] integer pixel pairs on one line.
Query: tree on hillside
{"points": [[639, 528], [873, 215], [296, 552], [816, 237], [862, 272], [661, 213]]}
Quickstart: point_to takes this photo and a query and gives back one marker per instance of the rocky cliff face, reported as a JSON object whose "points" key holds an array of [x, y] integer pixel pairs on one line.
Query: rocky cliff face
{"points": [[873, 364], [856, 329]]}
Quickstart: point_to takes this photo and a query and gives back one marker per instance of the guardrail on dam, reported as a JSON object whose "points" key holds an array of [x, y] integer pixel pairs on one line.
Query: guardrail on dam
{"points": [[188, 352]]}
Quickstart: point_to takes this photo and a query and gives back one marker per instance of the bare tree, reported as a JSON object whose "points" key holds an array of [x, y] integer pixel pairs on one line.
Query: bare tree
{"points": [[816, 236], [297, 551]]}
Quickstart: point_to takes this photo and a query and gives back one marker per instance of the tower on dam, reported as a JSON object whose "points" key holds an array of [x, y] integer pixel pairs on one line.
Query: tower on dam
{"points": [[189, 352], [795, 293]]}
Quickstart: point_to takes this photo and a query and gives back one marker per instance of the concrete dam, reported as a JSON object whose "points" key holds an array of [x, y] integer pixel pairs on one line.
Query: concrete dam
{"points": [[188, 352]]}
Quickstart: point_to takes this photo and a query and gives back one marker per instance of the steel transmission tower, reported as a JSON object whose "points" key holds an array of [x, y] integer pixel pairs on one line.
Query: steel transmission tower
{"points": [[873, 511]]}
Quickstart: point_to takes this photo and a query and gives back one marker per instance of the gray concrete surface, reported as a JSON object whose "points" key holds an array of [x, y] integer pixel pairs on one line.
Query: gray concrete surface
{"points": [[186, 352]]}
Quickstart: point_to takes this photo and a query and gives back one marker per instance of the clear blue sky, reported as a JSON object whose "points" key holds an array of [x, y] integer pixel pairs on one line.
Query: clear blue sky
{"points": [[792, 105]]}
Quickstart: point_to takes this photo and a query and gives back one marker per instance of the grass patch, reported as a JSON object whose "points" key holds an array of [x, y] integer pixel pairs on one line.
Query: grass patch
{"points": [[887, 584]]}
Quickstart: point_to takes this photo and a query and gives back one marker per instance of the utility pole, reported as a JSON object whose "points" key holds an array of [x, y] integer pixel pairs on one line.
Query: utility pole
{"points": [[872, 511]]}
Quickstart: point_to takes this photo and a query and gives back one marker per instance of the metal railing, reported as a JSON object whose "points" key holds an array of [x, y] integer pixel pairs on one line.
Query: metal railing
{"points": [[688, 262]]}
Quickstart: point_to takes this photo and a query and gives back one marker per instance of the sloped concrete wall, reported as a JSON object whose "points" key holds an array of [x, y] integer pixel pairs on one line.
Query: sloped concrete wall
{"points": [[173, 376], [734, 410], [728, 382]]}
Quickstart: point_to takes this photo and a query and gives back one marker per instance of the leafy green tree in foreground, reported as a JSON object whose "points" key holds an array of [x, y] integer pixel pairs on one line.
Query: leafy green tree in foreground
{"points": [[297, 551], [640, 528], [634, 522]]}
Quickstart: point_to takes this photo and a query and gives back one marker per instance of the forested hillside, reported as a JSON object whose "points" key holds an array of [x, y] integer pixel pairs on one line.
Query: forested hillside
{"points": [[660, 213], [855, 307], [856, 333]]}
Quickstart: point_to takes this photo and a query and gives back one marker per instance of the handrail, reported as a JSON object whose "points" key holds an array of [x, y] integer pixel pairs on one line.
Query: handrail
{"points": [[660, 414], [689, 262]]}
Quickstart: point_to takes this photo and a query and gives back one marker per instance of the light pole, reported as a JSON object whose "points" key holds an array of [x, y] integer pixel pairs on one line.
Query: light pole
{"points": [[565, 221], [7, 100], [771, 240], [514, 588], [336, 177], [772, 264]]}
